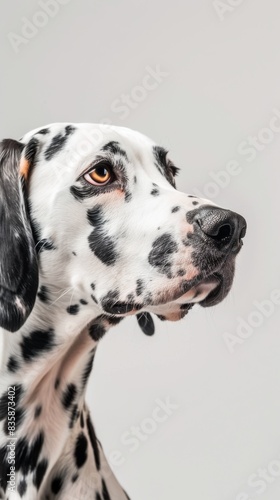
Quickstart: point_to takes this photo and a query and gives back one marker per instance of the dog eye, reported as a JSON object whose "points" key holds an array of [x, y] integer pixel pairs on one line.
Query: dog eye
{"points": [[99, 176]]}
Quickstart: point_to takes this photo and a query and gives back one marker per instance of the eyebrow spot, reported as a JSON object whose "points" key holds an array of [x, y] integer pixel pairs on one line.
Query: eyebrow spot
{"points": [[58, 142], [114, 148]]}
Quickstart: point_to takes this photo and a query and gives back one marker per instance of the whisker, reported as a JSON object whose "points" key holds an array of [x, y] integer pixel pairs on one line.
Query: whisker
{"points": [[64, 293]]}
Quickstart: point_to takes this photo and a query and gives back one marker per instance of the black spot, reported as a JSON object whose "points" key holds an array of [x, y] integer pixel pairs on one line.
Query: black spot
{"points": [[195, 202], [80, 452], [95, 216], [56, 384], [43, 294], [161, 317], [96, 331], [82, 422], [162, 250], [38, 342], [40, 472], [43, 131], [85, 190], [83, 302], [26, 456], [94, 299], [92, 286], [74, 253], [74, 309], [74, 416], [13, 364], [139, 286], [74, 478], [94, 443], [186, 307], [114, 148], [69, 395], [135, 179], [38, 411], [110, 298], [22, 487], [87, 370], [181, 272], [128, 196], [101, 244], [146, 323], [21, 457], [35, 450], [120, 307], [58, 142], [45, 244], [175, 209], [56, 484], [155, 192], [163, 166], [31, 151], [191, 196], [105, 492], [148, 299], [160, 157], [4, 467], [103, 247], [113, 320]]}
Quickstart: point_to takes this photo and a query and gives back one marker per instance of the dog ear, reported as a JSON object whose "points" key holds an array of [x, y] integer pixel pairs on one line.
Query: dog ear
{"points": [[18, 260]]}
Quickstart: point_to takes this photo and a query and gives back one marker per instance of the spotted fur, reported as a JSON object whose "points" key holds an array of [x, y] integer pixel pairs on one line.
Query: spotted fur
{"points": [[75, 259]]}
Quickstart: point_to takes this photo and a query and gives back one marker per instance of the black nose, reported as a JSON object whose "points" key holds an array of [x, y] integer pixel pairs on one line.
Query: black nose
{"points": [[223, 227]]}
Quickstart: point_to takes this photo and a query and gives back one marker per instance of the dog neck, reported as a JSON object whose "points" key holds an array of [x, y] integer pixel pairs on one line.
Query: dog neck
{"points": [[46, 365]]}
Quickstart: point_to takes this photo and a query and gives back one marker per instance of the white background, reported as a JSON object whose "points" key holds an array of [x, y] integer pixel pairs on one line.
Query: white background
{"points": [[221, 85]]}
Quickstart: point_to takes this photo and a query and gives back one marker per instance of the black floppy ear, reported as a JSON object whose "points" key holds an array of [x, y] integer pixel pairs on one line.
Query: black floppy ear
{"points": [[18, 260]]}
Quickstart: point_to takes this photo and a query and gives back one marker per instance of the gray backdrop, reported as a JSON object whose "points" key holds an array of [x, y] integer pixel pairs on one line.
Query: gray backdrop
{"points": [[213, 99]]}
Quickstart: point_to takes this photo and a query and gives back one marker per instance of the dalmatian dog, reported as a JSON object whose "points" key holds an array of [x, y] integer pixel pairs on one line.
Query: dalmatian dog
{"points": [[92, 230]]}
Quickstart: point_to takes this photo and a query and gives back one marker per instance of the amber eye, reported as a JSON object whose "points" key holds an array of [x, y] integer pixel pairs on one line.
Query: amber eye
{"points": [[99, 176]]}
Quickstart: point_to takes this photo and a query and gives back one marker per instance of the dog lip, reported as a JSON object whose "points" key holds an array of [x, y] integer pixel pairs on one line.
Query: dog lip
{"points": [[214, 278], [117, 308], [215, 296], [198, 280]]}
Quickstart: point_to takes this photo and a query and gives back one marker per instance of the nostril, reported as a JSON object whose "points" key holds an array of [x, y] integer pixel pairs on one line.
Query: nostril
{"points": [[224, 232], [216, 231], [225, 228]]}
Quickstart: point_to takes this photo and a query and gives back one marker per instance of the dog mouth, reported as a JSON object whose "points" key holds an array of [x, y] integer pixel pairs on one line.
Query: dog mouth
{"points": [[217, 294], [122, 308], [206, 292]]}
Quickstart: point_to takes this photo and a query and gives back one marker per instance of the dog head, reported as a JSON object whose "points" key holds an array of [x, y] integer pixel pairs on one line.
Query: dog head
{"points": [[97, 208]]}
